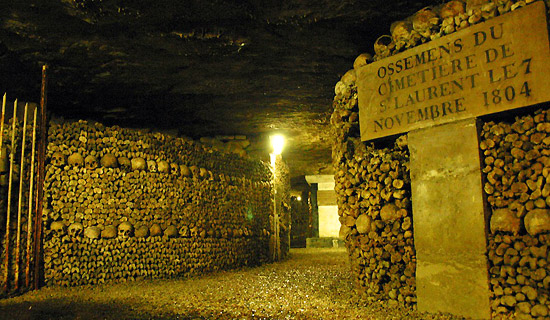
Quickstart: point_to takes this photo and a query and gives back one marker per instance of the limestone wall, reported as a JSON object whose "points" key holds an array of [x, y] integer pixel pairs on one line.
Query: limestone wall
{"points": [[516, 159], [123, 204]]}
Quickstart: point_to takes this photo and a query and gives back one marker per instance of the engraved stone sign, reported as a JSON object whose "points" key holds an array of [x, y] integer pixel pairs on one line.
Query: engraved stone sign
{"points": [[494, 66]]}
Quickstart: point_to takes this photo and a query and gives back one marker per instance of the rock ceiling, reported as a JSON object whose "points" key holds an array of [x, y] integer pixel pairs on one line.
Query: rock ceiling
{"points": [[196, 67]]}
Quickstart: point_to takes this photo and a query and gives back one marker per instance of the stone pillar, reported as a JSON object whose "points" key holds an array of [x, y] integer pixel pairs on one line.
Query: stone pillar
{"points": [[314, 212], [449, 220]]}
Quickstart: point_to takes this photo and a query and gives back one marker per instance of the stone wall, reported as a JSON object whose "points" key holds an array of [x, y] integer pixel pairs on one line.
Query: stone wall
{"points": [[373, 196], [123, 204], [516, 159]]}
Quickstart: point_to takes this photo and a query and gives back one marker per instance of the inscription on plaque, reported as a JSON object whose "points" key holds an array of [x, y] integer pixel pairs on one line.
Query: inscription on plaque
{"points": [[500, 64]]}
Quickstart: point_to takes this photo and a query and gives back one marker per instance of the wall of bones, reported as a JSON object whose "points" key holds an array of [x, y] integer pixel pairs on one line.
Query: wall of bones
{"points": [[516, 167], [123, 204], [374, 195]]}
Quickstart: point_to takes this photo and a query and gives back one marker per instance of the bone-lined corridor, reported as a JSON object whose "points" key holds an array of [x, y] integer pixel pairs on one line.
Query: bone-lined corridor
{"points": [[312, 284]]}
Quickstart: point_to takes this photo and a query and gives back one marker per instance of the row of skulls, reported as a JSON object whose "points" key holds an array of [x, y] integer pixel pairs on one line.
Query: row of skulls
{"points": [[109, 160], [432, 22], [123, 230]]}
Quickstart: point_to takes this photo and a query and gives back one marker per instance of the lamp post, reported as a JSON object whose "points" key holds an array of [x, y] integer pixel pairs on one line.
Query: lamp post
{"points": [[277, 142]]}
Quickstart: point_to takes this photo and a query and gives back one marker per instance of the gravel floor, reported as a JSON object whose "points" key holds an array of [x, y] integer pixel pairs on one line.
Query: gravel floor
{"points": [[313, 284]]}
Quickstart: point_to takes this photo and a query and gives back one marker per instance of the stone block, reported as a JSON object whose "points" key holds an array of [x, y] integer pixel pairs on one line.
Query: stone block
{"points": [[449, 220]]}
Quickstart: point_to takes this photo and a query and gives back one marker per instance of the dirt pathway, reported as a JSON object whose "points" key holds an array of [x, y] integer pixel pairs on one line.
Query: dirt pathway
{"points": [[313, 284]]}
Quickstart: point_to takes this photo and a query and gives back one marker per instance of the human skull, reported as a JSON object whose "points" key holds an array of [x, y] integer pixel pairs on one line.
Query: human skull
{"points": [[152, 166], [195, 171], [58, 159], [76, 229], [362, 60], [185, 170], [401, 31], [383, 46], [174, 168], [184, 232], [76, 159], [125, 229], [125, 163], [349, 78], [109, 161], [141, 231], [171, 231], [92, 232], [138, 164], [90, 162], [163, 167], [155, 230], [424, 21], [109, 232], [451, 9], [57, 228]]}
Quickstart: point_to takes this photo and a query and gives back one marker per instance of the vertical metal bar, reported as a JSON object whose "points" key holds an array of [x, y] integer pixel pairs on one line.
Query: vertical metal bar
{"points": [[277, 244], [2, 123], [40, 181], [8, 213], [31, 189], [1, 155], [20, 202]]}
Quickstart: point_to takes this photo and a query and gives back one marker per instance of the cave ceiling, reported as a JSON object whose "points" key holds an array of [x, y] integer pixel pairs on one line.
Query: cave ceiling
{"points": [[198, 67]]}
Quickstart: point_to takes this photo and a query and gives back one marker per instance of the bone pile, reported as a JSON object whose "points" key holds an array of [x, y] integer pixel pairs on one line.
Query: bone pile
{"points": [[374, 207], [123, 204], [434, 22], [517, 184]]}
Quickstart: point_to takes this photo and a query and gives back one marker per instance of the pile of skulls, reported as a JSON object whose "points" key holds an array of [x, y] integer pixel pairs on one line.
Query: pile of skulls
{"points": [[434, 22]]}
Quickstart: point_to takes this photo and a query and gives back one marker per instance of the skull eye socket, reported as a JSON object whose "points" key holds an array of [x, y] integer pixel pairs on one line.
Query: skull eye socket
{"points": [[75, 229]]}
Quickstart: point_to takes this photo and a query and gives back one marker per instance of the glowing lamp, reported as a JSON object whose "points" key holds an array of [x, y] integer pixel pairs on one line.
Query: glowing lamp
{"points": [[277, 142]]}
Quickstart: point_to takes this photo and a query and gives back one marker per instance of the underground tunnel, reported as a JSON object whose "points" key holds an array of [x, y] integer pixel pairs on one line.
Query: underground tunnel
{"points": [[266, 159]]}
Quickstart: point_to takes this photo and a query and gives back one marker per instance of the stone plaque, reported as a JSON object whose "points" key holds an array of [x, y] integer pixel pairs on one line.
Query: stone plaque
{"points": [[490, 67]]}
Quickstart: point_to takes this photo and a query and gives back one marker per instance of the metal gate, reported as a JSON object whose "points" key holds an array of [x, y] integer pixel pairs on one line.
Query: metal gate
{"points": [[22, 155]]}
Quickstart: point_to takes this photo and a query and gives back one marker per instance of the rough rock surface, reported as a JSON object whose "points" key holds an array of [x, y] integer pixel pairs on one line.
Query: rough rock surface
{"points": [[200, 67]]}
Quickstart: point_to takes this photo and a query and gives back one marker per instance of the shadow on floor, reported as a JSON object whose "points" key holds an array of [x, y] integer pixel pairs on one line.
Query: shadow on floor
{"points": [[61, 310]]}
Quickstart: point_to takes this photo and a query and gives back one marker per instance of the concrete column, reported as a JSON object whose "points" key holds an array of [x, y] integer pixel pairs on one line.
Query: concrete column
{"points": [[449, 220]]}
